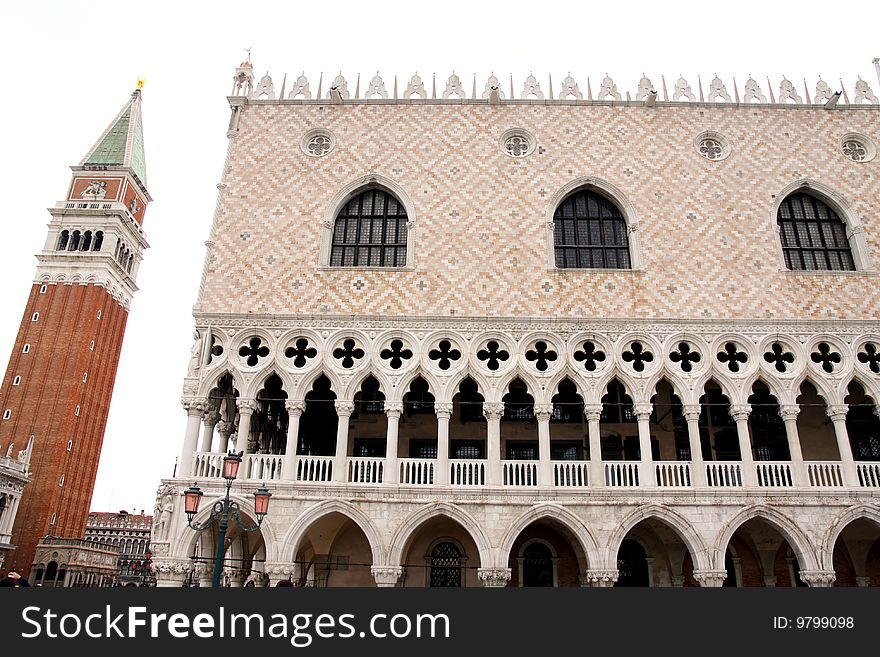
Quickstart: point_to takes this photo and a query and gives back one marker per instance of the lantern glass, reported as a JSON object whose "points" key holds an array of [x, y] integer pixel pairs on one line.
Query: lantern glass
{"points": [[230, 465], [192, 498], [261, 502]]}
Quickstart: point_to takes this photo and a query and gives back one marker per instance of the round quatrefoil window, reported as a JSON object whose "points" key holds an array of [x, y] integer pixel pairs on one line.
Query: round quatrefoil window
{"points": [[517, 143], [858, 148], [317, 142], [712, 145]]}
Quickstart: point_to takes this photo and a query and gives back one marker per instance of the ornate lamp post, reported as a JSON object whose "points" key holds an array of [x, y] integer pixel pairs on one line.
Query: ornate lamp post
{"points": [[224, 508]]}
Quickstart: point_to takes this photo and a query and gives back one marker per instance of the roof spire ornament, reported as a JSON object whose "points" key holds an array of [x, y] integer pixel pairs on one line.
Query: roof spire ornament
{"points": [[570, 88], [415, 87], [532, 88]]}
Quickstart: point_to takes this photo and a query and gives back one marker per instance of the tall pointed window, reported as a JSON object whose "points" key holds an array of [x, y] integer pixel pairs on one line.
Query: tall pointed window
{"points": [[370, 231], [813, 235], [590, 233]]}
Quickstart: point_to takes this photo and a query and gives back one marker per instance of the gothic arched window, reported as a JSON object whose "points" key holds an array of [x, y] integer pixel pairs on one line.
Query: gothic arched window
{"points": [[62, 240], [370, 231], [446, 565], [813, 235], [590, 233]]}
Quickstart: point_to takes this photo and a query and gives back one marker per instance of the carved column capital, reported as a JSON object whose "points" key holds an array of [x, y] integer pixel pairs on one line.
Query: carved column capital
{"points": [[211, 417], [386, 576], [593, 411], [643, 410], [393, 409], [543, 412], [443, 410], [789, 412], [195, 405], [740, 412], [494, 577], [295, 407], [246, 406], [344, 408], [170, 572], [692, 412], [837, 412], [818, 578], [710, 578], [493, 410], [600, 578]]}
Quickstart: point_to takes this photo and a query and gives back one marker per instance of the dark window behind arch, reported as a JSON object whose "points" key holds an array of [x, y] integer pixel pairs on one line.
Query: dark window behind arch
{"points": [[813, 235], [590, 233], [370, 231], [446, 565]]}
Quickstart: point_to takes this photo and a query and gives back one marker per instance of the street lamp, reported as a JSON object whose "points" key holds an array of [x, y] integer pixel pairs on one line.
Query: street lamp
{"points": [[223, 508]]}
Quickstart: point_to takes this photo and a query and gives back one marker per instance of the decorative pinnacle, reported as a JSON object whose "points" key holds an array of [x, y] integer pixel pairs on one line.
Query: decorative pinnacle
{"points": [[140, 84]]}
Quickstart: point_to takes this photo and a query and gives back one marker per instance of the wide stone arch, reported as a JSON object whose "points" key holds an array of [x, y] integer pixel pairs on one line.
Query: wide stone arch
{"points": [[795, 536], [308, 382], [286, 551], [213, 379], [564, 517], [840, 523], [411, 524], [684, 528]]}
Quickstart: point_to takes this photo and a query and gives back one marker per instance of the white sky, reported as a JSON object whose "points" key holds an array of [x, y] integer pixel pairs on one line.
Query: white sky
{"points": [[70, 66]]}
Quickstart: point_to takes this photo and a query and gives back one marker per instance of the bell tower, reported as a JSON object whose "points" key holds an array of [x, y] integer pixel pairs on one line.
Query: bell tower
{"points": [[59, 381]]}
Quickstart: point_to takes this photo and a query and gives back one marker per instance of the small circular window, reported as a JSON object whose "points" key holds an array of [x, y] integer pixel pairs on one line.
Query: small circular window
{"points": [[858, 148], [712, 145], [517, 143], [317, 142]]}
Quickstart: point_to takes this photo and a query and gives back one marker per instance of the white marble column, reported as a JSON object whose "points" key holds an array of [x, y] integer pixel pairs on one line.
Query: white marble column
{"points": [[195, 409], [837, 413], [543, 412], [789, 413], [344, 409], [740, 414], [393, 411], [441, 469], [597, 474], [493, 412], [698, 468], [295, 409], [648, 478], [210, 421], [246, 408]]}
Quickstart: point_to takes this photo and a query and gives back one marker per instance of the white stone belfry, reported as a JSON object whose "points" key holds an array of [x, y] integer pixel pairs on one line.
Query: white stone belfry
{"points": [[341, 86], [265, 88], [415, 87], [682, 88], [376, 88], [645, 88], [300, 88], [718, 90], [788, 92], [753, 91], [608, 88], [864, 93], [492, 84], [453, 87], [532, 87], [243, 80], [823, 91]]}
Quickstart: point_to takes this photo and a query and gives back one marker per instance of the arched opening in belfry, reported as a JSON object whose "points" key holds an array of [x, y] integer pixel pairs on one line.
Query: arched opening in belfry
{"points": [[544, 554], [418, 423], [334, 551], [317, 426], [74, 241], [765, 556], [653, 553], [618, 426], [269, 423], [863, 427], [440, 553], [767, 430], [63, 238], [856, 554]]}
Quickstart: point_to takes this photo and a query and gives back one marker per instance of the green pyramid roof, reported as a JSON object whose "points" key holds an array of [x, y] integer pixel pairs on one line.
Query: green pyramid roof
{"points": [[122, 143]]}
